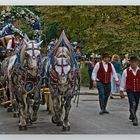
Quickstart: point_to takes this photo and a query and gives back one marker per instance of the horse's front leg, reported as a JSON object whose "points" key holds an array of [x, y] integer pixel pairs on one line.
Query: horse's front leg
{"points": [[15, 106], [10, 85], [67, 107], [22, 111], [36, 105], [57, 118]]}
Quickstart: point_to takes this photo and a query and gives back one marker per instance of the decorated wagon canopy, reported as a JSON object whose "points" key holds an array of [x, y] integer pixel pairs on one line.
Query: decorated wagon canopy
{"points": [[12, 13], [63, 41]]}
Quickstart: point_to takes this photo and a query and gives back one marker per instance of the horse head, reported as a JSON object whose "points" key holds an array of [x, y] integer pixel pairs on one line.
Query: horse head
{"points": [[30, 55], [63, 68]]}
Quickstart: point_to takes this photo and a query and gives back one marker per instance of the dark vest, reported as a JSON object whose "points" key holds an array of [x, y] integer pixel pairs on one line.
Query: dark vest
{"points": [[102, 75], [132, 81]]}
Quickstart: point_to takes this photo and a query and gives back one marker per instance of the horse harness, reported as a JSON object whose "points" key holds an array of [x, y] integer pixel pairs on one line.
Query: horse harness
{"points": [[54, 74], [26, 79]]}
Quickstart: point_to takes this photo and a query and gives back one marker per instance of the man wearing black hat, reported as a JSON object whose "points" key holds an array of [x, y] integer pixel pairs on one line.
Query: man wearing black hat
{"points": [[131, 83], [101, 77]]}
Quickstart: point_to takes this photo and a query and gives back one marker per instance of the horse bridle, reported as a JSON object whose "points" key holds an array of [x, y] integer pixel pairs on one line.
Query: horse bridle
{"points": [[33, 49]]}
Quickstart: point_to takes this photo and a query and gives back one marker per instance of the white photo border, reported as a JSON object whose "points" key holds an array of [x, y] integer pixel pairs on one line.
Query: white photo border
{"points": [[70, 2], [76, 3]]}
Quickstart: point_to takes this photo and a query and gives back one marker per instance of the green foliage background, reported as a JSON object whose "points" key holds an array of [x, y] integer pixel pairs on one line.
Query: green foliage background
{"points": [[105, 28], [115, 29], [84, 75]]}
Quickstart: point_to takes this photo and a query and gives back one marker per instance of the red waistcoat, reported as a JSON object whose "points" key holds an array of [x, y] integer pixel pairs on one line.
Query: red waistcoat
{"points": [[132, 81], [102, 75], [13, 43]]}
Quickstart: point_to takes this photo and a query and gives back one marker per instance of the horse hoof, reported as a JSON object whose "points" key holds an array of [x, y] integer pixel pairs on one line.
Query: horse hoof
{"points": [[34, 119], [9, 109], [29, 122], [50, 113], [21, 128], [15, 115], [64, 128], [68, 128], [59, 123], [53, 121]]}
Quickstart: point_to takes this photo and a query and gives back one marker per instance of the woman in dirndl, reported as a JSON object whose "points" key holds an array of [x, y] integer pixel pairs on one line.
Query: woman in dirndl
{"points": [[117, 65]]}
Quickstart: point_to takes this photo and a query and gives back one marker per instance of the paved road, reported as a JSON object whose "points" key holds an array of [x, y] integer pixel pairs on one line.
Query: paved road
{"points": [[84, 119]]}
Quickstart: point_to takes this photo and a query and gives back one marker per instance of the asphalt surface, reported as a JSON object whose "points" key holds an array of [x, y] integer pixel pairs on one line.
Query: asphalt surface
{"points": [[84, 120]]}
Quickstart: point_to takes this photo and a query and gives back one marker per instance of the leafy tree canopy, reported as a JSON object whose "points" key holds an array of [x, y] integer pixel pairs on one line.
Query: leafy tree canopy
{"points": [[115, 29]]}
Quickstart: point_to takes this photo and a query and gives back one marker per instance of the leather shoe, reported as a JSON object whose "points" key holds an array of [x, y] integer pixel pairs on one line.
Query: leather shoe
{"points": [[111, 97], [131, 117], [135, 122], [105, 111], [101, 112]]}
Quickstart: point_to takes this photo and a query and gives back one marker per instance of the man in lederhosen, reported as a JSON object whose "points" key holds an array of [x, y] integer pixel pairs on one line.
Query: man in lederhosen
{"points": [[101, 77], [131, 83]]}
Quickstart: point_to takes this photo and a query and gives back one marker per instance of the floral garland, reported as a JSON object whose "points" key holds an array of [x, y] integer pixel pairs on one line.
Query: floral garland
{"points": [[10, 15]]}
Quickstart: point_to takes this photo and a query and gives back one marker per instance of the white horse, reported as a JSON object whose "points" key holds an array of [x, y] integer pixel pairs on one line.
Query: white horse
{"points": [[61, 87], [25, 82]]}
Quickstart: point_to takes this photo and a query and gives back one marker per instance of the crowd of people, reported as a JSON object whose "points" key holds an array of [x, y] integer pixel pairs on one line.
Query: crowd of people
{"points": [[119, 65], [111, 75]]}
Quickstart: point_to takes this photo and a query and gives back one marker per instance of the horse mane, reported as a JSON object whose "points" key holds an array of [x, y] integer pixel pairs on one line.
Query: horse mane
{"points": [[22, 54]]}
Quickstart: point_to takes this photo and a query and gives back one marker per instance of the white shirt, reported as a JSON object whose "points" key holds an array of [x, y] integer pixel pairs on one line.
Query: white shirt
{"points": [[124, 75], [9, 45], [105, 65]]}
